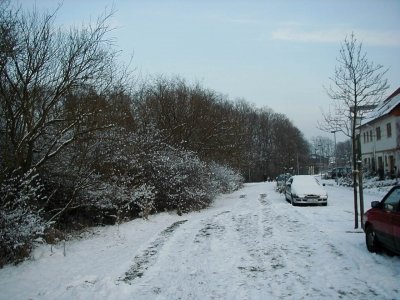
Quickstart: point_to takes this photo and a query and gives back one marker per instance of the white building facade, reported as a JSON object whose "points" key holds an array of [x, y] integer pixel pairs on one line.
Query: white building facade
{"points": [[380, 138]]}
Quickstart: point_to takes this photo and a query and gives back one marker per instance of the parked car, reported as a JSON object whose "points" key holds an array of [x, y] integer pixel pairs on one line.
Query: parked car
{"points": [[327, 175], [382, 223], [281, 182], [305, 189]]}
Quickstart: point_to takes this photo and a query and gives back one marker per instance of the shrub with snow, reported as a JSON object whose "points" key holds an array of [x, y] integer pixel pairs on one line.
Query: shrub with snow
{"points": [[182, 181], [123, 175], [144, 197], [225, 179], [141, 174], [20, 219]]}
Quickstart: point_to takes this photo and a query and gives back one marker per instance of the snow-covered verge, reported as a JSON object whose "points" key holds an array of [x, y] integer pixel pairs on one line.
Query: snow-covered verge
{"points": [[374, 185], [139, 178], [370, 184], [250, 244]]}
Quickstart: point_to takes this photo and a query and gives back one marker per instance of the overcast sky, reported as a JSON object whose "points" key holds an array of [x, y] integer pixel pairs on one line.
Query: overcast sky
{"points": [[277, 54]]}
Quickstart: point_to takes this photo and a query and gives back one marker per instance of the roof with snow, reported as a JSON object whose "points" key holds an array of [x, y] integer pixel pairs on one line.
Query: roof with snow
{"points": [[384, 108]]}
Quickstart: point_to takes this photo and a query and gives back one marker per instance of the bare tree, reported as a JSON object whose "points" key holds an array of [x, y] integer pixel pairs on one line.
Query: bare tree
{"points": [[325, 148], [357, 86], [40, 66], [324, 145], [194, 118], [343, 154]]}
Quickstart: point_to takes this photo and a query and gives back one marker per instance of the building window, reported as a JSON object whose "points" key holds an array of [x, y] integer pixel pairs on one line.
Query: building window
{"points": [[364, 138], [370, 135], [389, 129], [378, 133]]}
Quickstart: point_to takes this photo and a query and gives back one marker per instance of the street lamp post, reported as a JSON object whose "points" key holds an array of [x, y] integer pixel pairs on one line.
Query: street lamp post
{"points": [[334, 138], [320, 161]]}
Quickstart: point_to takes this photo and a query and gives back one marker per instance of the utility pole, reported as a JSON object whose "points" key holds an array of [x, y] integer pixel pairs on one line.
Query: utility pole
{"points": [[320, 161], [360, 181], [334, 138]]}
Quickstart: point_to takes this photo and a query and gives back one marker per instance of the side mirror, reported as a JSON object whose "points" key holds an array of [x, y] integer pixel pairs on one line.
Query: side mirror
{"points": [[375, 204]]}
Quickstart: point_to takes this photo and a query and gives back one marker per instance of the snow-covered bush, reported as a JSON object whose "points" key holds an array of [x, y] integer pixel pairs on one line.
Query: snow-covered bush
{"points": [[20, 219], [181, 179], [146, 175], [144, 197], [80, 195], [225, 179]]}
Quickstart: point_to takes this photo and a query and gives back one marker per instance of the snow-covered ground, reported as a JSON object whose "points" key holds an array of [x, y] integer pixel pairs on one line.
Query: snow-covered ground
{"points": [[251, 244]]}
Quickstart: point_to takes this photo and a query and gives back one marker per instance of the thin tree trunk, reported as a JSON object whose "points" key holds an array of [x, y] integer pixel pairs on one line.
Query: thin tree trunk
{"points": [[355, 175], [355, 192]]}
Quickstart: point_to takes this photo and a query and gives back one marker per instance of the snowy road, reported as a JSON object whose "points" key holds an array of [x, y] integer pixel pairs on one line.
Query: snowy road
{"points": [[251, 244]]}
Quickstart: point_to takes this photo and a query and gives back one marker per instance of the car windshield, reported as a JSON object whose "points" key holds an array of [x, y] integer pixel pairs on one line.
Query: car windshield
{"points": [[305, 181], [391, 203]]}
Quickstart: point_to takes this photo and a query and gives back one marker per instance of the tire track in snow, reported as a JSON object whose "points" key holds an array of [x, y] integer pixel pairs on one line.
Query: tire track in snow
{"points": [[148, 256], [211, 228], [258, 249], [271, 262], [208, 268], [306, 256], [299, 254]]}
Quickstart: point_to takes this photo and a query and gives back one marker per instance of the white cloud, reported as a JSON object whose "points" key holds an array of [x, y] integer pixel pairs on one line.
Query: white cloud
{"points": [[294, 34], [375, 38], [379, 38]]}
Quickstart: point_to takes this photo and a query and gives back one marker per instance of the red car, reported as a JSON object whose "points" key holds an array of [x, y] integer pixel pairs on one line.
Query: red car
{"points": [[382, 223]]}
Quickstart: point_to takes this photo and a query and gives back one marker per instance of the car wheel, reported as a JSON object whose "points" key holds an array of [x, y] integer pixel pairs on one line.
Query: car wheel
{"points": [[293, 203], [371, 240]]}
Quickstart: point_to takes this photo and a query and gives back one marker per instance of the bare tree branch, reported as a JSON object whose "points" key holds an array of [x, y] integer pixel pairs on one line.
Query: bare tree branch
{"points": [[40, 66]]}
